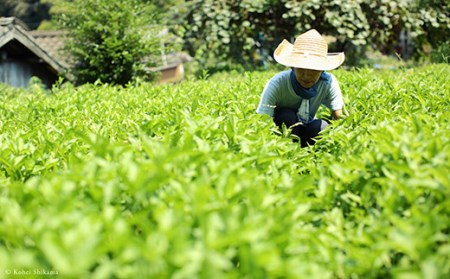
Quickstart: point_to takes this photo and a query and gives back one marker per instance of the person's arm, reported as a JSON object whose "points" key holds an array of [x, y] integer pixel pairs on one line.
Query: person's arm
{"points": [[334, 100], [268, 100]]}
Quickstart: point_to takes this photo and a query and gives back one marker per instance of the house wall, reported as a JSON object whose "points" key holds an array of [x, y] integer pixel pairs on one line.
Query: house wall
{"points": [[15, 73], [171, 74], [19, 73]]}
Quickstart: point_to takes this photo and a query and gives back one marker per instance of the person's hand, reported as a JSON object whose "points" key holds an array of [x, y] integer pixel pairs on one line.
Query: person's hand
{"points": [[336, 114]]}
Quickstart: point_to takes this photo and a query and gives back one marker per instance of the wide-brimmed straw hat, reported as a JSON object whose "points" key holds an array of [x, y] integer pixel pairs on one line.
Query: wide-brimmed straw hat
{"points": [[309, 51]]}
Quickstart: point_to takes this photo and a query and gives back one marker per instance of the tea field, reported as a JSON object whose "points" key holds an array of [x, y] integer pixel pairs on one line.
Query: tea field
{"points": [[187, 181]]}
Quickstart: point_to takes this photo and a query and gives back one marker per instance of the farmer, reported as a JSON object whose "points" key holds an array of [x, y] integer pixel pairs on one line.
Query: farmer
{"points": [[293, 97]]}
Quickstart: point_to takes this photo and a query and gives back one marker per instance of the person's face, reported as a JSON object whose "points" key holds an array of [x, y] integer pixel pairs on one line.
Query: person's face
{"points": [[307, 78]]}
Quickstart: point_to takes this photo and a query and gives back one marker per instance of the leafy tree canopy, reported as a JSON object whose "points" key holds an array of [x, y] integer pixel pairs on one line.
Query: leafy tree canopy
{"points": [[221, 32], [111, 41]]}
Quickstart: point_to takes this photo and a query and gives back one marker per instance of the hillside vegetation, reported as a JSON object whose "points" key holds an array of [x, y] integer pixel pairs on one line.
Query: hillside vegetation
{"points": [[187, 181]]}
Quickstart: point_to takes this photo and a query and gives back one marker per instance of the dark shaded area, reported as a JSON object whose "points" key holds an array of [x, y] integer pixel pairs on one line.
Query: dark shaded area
{"points": [[19, 64], [32, 12]]}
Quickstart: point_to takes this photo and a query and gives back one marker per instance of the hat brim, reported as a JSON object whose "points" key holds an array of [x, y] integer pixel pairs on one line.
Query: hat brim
{"points": [[285, 56]]}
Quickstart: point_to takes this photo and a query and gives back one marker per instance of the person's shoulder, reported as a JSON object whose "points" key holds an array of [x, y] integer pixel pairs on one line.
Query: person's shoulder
{"points": [[279, 79], [281, 75]]}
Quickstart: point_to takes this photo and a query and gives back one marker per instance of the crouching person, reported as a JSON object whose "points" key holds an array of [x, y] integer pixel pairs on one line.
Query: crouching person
{"points": [[293, 97]]}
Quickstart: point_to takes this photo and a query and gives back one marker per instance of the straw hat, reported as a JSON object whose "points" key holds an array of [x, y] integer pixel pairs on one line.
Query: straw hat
{"points": [[309, 51]]}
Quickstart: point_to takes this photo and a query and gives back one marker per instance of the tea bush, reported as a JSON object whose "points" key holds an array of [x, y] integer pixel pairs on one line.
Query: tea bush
{"points": [[187, 181]]}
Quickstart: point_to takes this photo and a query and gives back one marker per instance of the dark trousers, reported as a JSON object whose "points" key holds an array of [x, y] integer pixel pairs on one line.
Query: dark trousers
{"points": [[306, 132]]}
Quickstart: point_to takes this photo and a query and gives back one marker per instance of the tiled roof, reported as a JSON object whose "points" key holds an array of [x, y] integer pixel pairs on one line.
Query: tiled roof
{"points": [[13, 31], [48, 45], [171, 60], [53, 43]]}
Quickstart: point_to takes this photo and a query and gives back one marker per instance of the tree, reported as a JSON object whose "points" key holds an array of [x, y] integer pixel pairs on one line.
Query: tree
{"points": [[111, 41], [222, 33], [433, 18]]}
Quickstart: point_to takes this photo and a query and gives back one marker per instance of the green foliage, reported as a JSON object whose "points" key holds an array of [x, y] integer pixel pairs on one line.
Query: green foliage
{"points": [[56, 9], [434, 21], [441, 54], [187, 181], [113, 42], [223, 33]]}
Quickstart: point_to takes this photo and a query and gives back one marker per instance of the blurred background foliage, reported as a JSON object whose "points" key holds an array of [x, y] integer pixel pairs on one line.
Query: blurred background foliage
{"points": [[111, 41], [222, 33], [32, 12], [242, 34]]}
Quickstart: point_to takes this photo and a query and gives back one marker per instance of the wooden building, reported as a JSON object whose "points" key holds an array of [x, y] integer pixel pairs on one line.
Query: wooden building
{"points": [[25, 53], [21, 57], [172, 69]]}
